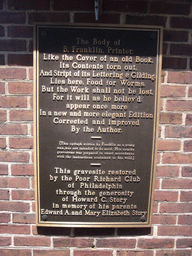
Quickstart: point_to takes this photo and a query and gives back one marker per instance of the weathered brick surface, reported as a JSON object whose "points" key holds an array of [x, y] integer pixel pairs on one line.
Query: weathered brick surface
{"points": [[73, 242], [23, 218], [93, 252], [155, 243], [171, 231], [22, 194], [134, 253], [51, 252], [187, 171], [185, 219], [32, 241], [115, 242], [22, 170]]}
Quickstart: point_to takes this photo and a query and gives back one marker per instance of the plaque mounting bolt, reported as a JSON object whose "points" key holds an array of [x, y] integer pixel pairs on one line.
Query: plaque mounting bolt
{"points": [[143, 218], [44, 217]]}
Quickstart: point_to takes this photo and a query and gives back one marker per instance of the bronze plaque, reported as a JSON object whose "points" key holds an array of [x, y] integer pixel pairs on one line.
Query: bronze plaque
{"points": [[96, 120]]}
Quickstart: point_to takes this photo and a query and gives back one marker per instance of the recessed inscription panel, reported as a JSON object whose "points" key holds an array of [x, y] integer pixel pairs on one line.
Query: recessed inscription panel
{"points": [[96, 102]]}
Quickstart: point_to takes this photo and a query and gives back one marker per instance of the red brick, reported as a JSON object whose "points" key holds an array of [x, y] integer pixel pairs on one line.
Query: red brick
{"points": [[187, 145], [170, 118], [165, 49], [3, 115], [188, 119], [14, 206], [134, 253], [177, 183], [14, 157], [28, 5], [169, 145], [185, 219], [13, 129], [30, 73], [3, 169], [31, 46], [73, 242], [174, 63], [111, 18], [12, 73], [13, 45], [4, 217], [164, 219], [20, 59], [165, 196], [178, 132], [173, 91], [22, 169], [175, 231], [23, 218], [157, 184], [22, 194], [167, 171], [21, 115], [116, 242], [174, 253], [190, 91], [146, 20], [20, 31], [32, 241], [13, 102], [184, 243], [14, 229], [20, 88], [93, 253], [2, 59], [155, 207], [175, 208], [15, 252], [14, 182], [179, 77], [48, 17], [5, 241], [186, 196], [155, 243], [176, 158], [84, 5], [180, 49], [21, 143], [125, 6], [180, 22], [187, 171], [12, 18], [175, 36], [163, 75], [51, 252], [2, 88], [2, 143], [31, 102], [4, 194], [169, 8]]}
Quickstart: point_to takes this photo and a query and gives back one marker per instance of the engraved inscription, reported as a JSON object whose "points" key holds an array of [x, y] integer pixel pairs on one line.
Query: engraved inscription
{"points": [[96, 113]]}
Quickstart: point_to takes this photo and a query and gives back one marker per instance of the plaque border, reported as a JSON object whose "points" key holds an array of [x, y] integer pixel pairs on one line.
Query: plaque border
{"points": [[159, 30]]}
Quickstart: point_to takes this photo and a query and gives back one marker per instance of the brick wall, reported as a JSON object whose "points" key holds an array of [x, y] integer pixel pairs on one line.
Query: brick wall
{"points": [[171, 232]]}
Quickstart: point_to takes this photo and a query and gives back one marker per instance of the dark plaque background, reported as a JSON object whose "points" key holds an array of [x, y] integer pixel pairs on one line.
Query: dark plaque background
{"points": [[96, 118]]}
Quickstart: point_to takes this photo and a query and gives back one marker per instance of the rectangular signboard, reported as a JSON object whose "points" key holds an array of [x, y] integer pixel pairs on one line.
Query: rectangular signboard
{"points": [[96, 120]]}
